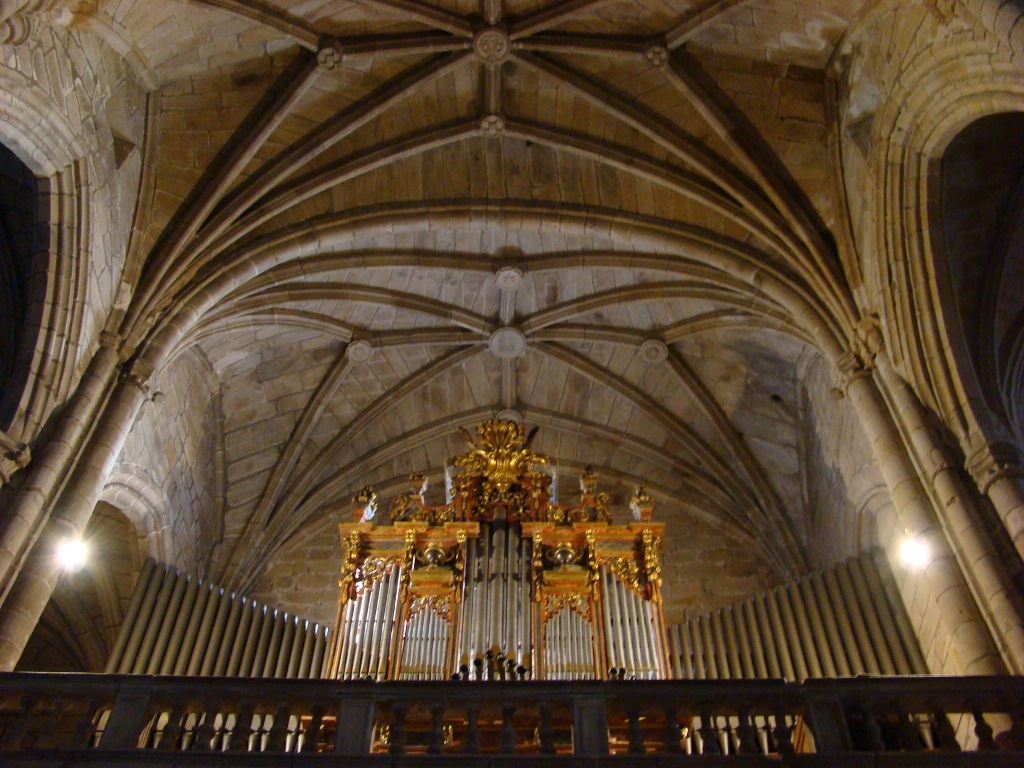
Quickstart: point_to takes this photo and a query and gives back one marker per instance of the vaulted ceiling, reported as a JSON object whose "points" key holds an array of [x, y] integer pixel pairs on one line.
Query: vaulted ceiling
{"points": [[363, 224], [380, 220]]}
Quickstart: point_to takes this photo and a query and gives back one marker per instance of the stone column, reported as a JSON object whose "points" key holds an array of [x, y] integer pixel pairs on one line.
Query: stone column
{"points": [[38, 576], [990, 582], [28, 510], [946, 600], [997, 471]]}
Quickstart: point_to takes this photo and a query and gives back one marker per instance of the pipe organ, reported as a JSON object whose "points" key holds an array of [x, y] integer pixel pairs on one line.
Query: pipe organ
{"points": [[500, 582]]}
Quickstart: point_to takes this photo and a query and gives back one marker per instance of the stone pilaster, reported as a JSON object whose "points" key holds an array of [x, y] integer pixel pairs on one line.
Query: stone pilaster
{"points": [[998, 472], [941, 597]]}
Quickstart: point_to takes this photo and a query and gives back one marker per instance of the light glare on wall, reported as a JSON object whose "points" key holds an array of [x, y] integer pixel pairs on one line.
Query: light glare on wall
{"points": [[915, 553], [72, 554]]}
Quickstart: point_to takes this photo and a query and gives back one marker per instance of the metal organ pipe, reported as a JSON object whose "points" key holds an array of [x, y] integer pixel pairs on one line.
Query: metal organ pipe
{"points": [[860, 630], [242, 638], [803, 596], [748, 629], [252, 642], [781, 643], [215, 634], [194, 622], [835, 599], [178, 636], [733, 648], [717, 637], [287, 641], [155, 630], [828, 620], [306, 655], [132, 614], [791, 637], [142, 621], [881, 630], [817, 626], [229, 638], [611, 648], [316, 666], [915, 659]]}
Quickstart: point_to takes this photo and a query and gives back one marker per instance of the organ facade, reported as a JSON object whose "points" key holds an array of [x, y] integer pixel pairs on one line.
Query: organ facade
{"points": [[502, 581]]}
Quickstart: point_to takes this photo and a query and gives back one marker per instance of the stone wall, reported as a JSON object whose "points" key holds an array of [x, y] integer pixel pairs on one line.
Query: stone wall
{"points": [[844, 489], [176, 442]]}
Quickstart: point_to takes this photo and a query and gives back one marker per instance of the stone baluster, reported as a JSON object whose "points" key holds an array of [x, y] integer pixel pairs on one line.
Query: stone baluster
{"points": [[872, 731], [436, 745], [983, 731], [781, 733], [206, 730], [635, 730], [746, 734], [171, 733], [673, 733], [473, 731], [240, 739], [397, 745], [507, 735], [943, 734], [709, 736], [277, 734], [312, 734]]}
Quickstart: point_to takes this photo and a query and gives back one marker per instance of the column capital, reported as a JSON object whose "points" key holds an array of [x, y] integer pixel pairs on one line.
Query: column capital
{"points": [[859, 360], [137, 371], [993, 462], [13, 456]]}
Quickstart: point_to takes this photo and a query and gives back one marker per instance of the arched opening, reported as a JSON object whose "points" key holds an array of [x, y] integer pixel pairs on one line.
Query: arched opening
{"points": [[981, 233], [20, 241]]}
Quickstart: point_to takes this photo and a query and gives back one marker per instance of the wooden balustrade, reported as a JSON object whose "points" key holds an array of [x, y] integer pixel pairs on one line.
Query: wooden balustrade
{"points": [[50, 719]]}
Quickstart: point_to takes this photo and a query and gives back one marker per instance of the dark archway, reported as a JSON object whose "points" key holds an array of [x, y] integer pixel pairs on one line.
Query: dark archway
{"points": [[21, 238], [982, 235]]}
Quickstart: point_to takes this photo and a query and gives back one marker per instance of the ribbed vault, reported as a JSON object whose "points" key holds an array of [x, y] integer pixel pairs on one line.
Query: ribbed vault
{"points": [[382, 220]]}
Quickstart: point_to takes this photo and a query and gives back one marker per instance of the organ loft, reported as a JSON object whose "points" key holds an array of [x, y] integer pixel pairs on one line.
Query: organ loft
{"points": [[502, 581]]}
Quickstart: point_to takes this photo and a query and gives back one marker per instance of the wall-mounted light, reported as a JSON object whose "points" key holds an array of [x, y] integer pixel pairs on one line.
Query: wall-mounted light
{"points": [[915, 552], [72, 554]]}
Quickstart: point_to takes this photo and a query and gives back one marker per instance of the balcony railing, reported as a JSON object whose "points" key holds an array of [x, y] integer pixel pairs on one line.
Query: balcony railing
{"points": [[67, 719]]}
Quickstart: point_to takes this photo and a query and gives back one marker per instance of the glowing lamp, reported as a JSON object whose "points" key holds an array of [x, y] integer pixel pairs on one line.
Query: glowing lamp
{"points": [[915, 553], [72, 554]]}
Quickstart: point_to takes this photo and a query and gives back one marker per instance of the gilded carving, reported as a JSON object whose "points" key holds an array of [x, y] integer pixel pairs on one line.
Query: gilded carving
{"points": [[501, 454], [578, 603], [439, 604]]}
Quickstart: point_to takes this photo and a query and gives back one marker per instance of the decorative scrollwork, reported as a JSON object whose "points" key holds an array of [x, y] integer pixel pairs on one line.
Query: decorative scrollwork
{"points": [[537, 565], [373, 568], [439, 604], [501, 455], [652, 563], [348, 567], [578, 603], [626, 570]]}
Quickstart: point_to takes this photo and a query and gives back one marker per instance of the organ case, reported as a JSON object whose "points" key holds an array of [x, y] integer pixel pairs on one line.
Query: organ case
{"points": [[500, 582]]}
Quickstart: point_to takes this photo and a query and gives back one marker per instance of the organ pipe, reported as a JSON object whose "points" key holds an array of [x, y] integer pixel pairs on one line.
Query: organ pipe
{"points": [[181, 625], [815, 626], [131, 616], [178, 636]]}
